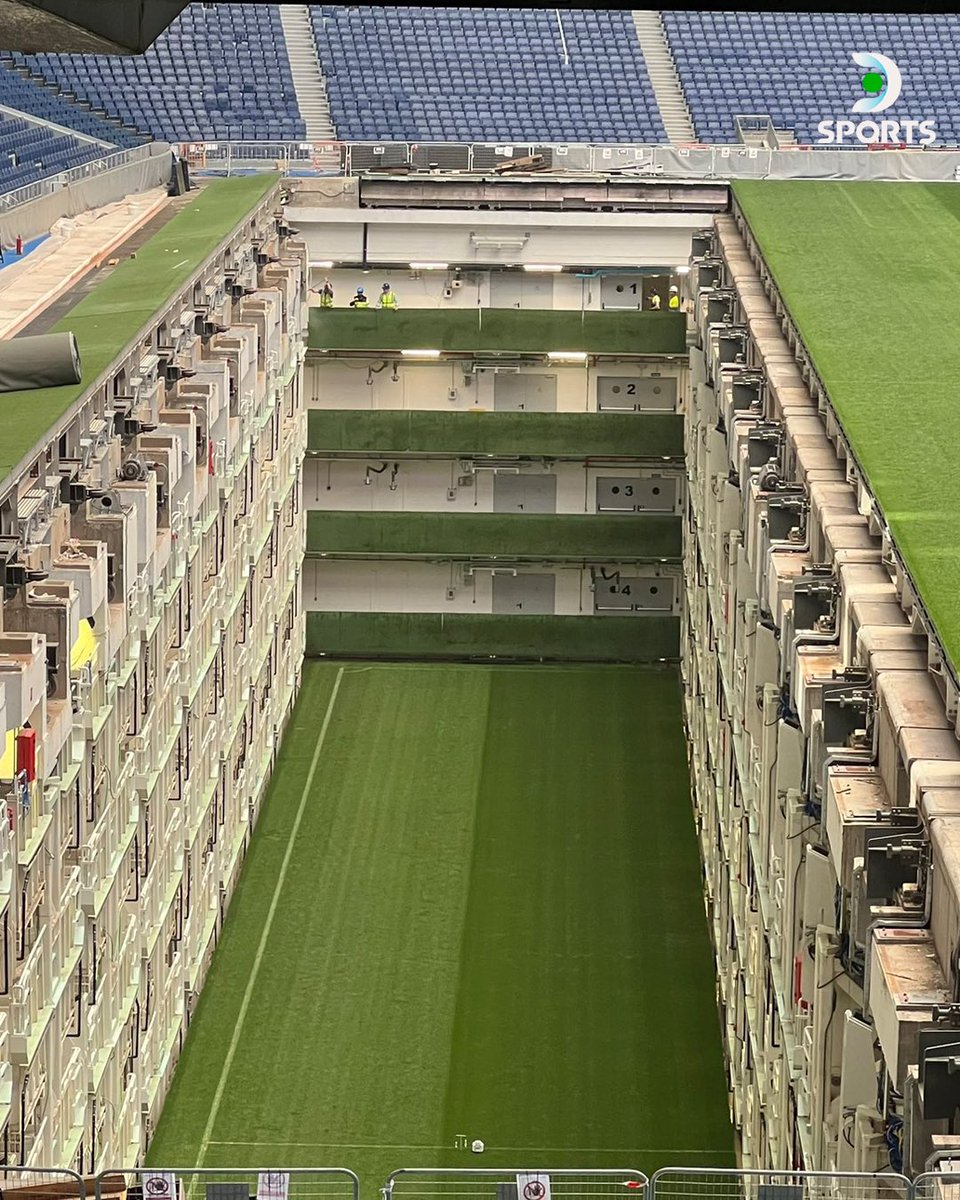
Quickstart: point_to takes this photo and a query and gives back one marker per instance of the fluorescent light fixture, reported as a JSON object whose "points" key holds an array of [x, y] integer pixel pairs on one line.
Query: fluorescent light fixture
{"points": [[323, 265], [542, 267], [429, 266], [567, 355], [681, 270], [420, 353]]}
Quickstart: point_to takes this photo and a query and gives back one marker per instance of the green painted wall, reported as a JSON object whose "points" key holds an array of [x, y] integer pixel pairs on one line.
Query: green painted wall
{"points": [[572, 435], [505, 330], [482, 635], [545, 537]]}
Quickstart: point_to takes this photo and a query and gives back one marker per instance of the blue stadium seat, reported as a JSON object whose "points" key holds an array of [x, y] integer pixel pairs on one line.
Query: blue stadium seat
{"points": [[29, 152], [473, 73], [796, 67], [189, 85]]}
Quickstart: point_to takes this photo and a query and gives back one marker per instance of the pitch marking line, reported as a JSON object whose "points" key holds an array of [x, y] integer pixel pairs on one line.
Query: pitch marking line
{"points": [[498, 1149], [268, 925]]}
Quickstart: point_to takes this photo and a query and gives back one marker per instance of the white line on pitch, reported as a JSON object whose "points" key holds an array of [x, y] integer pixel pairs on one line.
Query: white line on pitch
{"points": [[268, 925], [498, 1149]]}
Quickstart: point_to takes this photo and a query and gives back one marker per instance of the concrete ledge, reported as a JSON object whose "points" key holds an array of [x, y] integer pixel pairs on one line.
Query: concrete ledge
{"points": [[57, 266]]}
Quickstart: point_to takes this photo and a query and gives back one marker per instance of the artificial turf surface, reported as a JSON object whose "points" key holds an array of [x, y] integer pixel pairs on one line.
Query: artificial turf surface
{"points": [[541, 536], [490, 922], [110, 317], [552, 434], [504, 330], [869, 274], [484, 636]]}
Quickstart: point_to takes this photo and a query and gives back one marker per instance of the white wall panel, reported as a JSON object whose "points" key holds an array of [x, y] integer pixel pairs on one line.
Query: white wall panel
{"points": [[423, 486], [581, 239], [438, 289], [362, 384], [344, 586]]}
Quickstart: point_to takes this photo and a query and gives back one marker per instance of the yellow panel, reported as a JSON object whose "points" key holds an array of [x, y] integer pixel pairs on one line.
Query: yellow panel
{"points": [[84, 648], [8, 760]]}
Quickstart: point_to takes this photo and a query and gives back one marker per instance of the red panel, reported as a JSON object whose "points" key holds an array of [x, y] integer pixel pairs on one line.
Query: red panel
{"points": [[27, 753]]}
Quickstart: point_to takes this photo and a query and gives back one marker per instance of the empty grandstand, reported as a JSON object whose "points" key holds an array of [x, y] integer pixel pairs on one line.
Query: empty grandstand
{"points": [[252, 81], [472, 74], [21, 89], [797, 68], [29, 151], [219, 71]]}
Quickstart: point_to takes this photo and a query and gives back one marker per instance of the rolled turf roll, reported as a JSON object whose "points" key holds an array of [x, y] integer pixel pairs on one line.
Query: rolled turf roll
{"points": [[52, 360]]}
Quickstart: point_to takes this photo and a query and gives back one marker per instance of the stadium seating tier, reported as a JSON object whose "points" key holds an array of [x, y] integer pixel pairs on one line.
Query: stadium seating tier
{"points": [[217, 73], [797, 67], [29, 152], [479, 74]]}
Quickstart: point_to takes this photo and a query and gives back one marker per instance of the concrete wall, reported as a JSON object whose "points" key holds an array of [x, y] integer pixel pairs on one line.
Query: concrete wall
{"points": [[96, 190], [469, 238], [344, 384], [494, 289], [426, 486], [344, 586]]}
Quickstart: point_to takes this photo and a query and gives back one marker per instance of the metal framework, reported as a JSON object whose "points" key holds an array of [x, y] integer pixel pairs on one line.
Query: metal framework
{"points": [[486, 1183], [41, 1183], [294, 1183], [695, 1183]]}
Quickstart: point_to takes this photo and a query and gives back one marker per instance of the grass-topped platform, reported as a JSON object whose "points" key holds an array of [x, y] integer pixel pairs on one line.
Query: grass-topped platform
{"points": [[107, 319], [868, 272], [503, 330]]}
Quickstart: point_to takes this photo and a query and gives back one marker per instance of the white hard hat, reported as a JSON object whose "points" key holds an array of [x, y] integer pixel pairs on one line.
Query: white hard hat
{"points": [[674, 288]]}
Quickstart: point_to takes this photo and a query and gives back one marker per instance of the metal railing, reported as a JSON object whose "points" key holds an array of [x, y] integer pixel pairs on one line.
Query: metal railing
{"points": [[934, 1185], [228, 1183], [41, 1183], [695, 1183], [350, 158], [55, 183], [693, 161], [478, 1183], [510, 1183]]}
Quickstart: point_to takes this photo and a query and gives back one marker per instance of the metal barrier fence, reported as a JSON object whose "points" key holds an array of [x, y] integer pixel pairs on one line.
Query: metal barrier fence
{"points": [[226, 1183], [683, 1183], [41, 1183], [440, 1183], [55, 183], [510, 1183], [694, 161], [936, 1186]]}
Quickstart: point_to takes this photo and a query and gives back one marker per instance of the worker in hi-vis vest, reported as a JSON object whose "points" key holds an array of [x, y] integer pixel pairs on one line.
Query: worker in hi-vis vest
{"points": [[360, 299], [387, 297], [326, 294], [674, 301], [655, 301]]}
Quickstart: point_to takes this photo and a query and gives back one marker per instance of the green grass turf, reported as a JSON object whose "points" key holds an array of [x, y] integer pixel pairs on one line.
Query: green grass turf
{"points": [[423, 636], [110, 317], [532, 331], [492, 924], [869, 274], [541, 536], [574, 435]]}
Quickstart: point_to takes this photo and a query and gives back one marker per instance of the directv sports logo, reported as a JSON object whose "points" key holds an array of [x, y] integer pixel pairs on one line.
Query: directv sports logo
{"points": [[882, 83]]}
